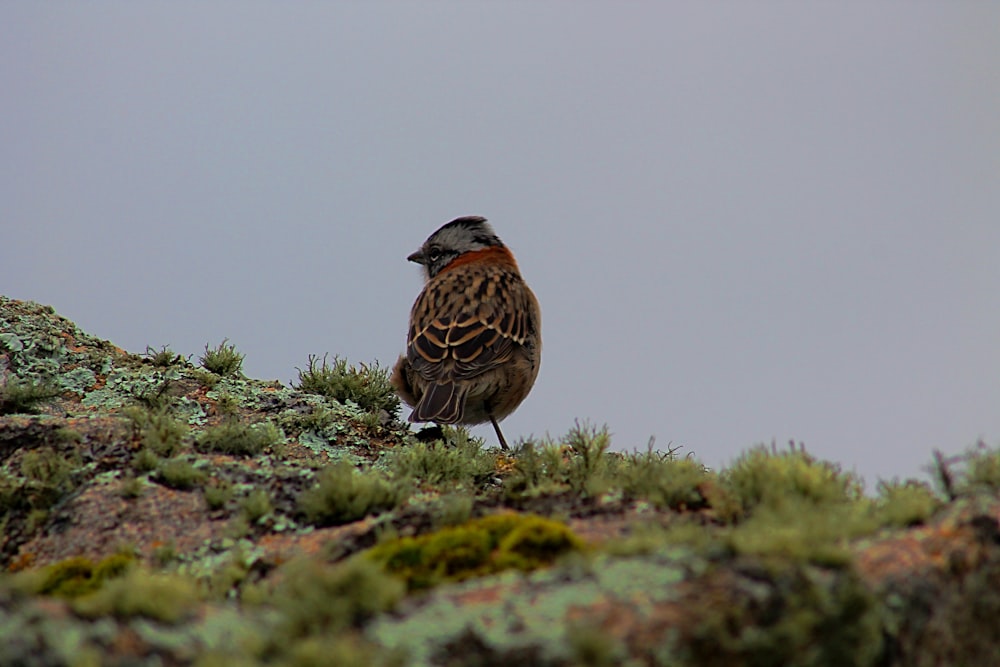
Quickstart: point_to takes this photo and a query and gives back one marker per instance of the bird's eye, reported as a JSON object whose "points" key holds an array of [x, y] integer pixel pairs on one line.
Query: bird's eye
{"points": [[434, 254]]}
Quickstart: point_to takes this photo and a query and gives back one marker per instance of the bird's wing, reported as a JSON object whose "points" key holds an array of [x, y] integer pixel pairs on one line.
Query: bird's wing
{"points": [[465, 323]]}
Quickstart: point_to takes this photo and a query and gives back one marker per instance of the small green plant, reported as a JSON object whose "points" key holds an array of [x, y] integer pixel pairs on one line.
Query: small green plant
{"points": [[539, 469], [131, 488], [461, 462], [316, 420], [315, 598], [205, 378], [366, 386], [343, 494], [23, 396], [453, 509], [160, 432], [145, 461], [158, 398], [773, 478], [222, 360], [238, 438], [474, 549], [256, 505], [49, 477], [982, 468], [905, 504], [218, 494], [164, 357], [160, 597], [227, 405], [663, 480], [165, 554], [180, 474]]}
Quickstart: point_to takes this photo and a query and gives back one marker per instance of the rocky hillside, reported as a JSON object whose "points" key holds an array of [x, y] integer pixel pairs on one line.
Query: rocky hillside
{"points": [[159, 510]]}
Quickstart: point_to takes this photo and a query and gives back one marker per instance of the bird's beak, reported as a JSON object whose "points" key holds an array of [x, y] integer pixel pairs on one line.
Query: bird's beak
{"points": [[417, 257]]}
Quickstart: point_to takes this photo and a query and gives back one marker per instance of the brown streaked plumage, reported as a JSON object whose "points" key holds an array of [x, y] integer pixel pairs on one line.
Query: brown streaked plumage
{"points": [[474, 343]]}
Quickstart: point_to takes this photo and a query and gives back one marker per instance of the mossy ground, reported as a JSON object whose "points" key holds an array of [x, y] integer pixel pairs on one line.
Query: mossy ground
{"points": [[155, 512]]}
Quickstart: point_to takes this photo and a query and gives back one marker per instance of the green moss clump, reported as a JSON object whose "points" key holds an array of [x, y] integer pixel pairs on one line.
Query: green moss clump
{"points": [[161, 597], [160, 432], [78, 576], [256, 505], [982, 469], [905, 504], [218, 494], [774, 478], [164, 357], [180, 474], [145, 461], [816, 533], [344, 494], [477, 548], [23, 396], [366, 386], [49, 477], [791, 615], [316, 598], [460, 462], [222, 360], [664, 481], [234, 437]]}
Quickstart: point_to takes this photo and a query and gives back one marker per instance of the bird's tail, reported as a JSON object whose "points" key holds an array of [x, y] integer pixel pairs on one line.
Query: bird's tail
{"points": [[442, 403]]}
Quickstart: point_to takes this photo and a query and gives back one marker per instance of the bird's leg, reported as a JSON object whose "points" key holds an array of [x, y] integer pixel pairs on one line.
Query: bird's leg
{"points": [[496, 426]]}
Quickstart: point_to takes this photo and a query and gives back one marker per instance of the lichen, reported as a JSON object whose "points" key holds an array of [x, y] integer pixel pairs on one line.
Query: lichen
{"points": [[476, 548]]}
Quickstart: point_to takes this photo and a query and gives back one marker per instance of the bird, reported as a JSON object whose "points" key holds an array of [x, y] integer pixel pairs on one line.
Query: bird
{"points": [[474, 343]]}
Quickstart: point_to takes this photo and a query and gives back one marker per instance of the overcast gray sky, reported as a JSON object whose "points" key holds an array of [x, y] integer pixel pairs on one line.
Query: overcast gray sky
{"points": [[744, 221]]}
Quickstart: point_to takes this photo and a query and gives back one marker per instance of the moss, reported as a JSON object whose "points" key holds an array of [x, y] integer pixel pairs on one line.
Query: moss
{"points": [[180, 474], [664, 481], [47, 466], [161, 597], [538, 469], [591, 646], [905, 504], [982, 469], [318, 419], [158, 429], [315, 597], [808, 532], [222, 360], [477, 548], [145, 461], [164, 357], [218, 494], [343, 494], [156, 397], [78, 576], [774, 478], [791, 615], [205, 378], [49, 477], [238, 438], [131, 488], [256, 505], [366, 386], [23, 396], [462, 462]]}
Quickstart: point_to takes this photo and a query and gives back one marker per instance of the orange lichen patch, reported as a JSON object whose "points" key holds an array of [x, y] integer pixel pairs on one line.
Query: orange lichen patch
{"points": [[22, 562], [947, 546], [279, 547]]}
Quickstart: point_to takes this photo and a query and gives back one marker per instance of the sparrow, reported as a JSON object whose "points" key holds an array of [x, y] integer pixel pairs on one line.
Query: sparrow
{"points": [[474, 343]]}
